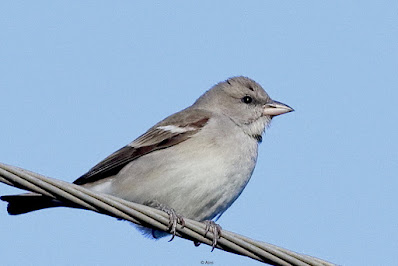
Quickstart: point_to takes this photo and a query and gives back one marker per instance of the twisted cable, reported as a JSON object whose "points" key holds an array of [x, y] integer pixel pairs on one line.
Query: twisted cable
{"points": [[150, 217]]}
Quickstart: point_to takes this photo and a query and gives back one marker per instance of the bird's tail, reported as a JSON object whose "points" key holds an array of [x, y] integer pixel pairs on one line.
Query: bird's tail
{"points": [[23, 203]]}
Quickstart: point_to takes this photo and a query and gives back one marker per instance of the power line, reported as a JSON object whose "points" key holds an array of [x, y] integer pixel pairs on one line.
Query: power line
{"points": [[150, 217]]}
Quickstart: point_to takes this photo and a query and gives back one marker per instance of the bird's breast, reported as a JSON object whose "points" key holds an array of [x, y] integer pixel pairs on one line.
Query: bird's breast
{"points": [[199, 177]]}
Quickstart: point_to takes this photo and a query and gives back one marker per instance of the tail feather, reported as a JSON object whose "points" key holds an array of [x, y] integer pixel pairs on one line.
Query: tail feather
{"points": [[23, 203]]}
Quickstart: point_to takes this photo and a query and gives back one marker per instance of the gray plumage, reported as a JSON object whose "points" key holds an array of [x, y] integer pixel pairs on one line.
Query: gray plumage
{"points": [[196, 161]]}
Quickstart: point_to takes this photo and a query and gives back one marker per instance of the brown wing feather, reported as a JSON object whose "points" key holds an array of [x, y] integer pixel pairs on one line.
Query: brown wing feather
{"points": [[154, 139]]}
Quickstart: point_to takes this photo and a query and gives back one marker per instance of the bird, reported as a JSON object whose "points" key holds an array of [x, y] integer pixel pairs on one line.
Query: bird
{"points": [[193, 164]]}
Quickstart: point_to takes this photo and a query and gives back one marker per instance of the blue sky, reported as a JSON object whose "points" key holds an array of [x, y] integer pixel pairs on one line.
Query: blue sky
{"points": [[80, 80]]}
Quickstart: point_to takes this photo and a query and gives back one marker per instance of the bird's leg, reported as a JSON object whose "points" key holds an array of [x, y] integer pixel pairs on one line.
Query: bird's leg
{"points": [[174, 218], [214, 228]]}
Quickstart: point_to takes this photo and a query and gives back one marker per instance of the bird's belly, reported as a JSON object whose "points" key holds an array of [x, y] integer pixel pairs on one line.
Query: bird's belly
{"points": [[198, 184]]}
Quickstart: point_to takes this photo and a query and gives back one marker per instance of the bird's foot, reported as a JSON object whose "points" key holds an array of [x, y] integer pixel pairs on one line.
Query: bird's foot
{"points": [[215, 229], [174, 219]]}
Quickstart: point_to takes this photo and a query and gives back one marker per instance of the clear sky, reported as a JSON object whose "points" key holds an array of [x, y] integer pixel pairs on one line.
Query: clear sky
{"points": [[80, 80]]}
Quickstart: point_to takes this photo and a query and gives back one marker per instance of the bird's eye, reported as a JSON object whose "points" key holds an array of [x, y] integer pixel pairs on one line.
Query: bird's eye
{"points": [[247, 99]]}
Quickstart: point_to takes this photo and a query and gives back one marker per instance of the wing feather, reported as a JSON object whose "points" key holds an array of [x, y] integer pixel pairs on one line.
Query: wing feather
{"points": [[154, 139]]}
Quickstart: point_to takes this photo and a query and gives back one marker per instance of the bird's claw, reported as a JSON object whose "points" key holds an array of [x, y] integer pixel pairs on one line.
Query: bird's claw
{"points": [[174, 219], [215, 229]]}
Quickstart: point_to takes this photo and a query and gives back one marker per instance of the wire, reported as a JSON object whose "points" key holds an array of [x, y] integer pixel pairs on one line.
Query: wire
{"points": [[150, 217]]}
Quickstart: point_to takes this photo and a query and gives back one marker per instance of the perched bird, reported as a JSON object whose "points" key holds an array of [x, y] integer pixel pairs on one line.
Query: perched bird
{"points": [[195, 163]]}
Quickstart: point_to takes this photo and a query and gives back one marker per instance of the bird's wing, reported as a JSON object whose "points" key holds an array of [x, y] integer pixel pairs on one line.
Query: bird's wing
{"points": [[169, 132]]}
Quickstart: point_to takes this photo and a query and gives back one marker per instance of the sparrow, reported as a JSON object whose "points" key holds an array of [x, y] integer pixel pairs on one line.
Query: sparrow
{"points": [[193, 164]]}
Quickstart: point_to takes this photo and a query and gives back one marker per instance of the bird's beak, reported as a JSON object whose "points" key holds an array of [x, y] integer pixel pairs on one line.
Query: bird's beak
{"points": [[275, 108]]}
